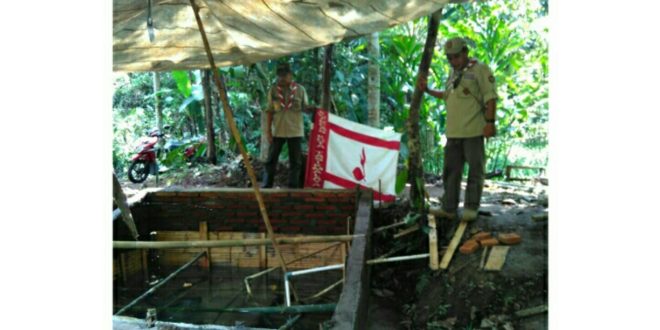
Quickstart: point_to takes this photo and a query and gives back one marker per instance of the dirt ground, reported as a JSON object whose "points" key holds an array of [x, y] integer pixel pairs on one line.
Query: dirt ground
{"points": [[408, 295]]}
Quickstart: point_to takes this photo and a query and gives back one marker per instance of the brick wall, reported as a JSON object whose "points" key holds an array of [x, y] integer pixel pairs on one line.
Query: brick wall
{"points": [[309, 211]]}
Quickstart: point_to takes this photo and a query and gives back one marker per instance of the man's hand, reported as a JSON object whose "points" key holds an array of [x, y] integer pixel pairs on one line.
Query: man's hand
{"points": [[423, 84], [269, 136], [489, 130]]}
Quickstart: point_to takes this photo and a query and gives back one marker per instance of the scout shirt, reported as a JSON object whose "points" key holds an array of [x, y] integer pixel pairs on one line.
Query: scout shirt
{"points": [[466, 103], [287, 104]]}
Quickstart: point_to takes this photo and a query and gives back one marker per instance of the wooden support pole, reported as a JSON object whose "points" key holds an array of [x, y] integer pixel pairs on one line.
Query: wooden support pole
{"points": [[446, 258], [122, 267], [120, 199], [415, 170], [230, 243], [433, 243], [161, 283], [232, 125], [263, 257], [327, 76], [204, 236], [145, 265]]}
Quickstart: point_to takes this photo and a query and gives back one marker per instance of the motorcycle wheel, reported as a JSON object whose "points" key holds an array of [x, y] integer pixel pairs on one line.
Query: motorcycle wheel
{"points": [[138, 171]]}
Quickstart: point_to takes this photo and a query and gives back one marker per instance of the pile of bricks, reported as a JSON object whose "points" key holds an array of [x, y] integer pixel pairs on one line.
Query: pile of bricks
{"points": [[486, 239]]}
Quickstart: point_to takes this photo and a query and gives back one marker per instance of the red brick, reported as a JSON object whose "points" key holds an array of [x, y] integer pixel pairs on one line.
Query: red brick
{"points": [[235, 220], [300, 221], [246, 214], [300, 194], [509, 238], [304, 207], [470, 246], [291, 214], [291, 229], [325, 207], [326, 222], [489, 242], [314, 199], [480, 236]]}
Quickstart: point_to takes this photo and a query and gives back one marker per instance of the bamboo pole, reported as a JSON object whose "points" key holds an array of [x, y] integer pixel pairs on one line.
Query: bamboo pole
{"points": [[295, 309], [253, 276], [394, 259], [322, 292], [394, 225], [232, 125], [161, 283], [290, 322], [229, 243]]}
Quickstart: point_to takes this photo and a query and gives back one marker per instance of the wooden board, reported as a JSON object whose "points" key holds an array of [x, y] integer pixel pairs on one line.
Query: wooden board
{"points": [[446, 258], [433, 244], [496, 258]]}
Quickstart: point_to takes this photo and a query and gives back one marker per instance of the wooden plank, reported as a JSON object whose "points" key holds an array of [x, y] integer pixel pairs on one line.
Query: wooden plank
{"points": [[433, 244], [483, 258], [532, 311], [496, 258], [446, 258]]}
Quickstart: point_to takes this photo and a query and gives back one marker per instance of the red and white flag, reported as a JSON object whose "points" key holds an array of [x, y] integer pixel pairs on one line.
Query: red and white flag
{"points": [[343, 154]]}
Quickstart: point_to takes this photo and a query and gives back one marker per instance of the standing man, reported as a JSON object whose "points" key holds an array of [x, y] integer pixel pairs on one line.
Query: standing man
{"points": [[470, 98], [286, 101]]}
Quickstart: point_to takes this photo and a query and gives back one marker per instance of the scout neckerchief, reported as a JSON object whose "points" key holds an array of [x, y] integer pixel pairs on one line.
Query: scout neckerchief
{"points": [[293, 87], [457, 81]]}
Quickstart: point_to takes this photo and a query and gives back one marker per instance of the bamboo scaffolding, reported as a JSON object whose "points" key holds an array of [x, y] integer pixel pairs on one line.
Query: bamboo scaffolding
{"points": [[253, 276], [237, 137], [161, 283], [230, 243]]}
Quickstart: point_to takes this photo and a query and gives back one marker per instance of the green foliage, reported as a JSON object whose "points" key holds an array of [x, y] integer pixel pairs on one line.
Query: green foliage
{"points": [[509, 36]]}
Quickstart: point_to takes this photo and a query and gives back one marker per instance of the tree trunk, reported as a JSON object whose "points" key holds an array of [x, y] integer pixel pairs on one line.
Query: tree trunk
{"points": [[373, 94], [264, 145], [159, 111], [327, 75], [208, 113], [218, 114], [415, 169]]}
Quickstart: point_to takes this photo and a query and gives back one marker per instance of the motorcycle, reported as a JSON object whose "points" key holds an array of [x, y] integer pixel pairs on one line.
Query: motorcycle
{"points": [[145, 161], [147, 152]]}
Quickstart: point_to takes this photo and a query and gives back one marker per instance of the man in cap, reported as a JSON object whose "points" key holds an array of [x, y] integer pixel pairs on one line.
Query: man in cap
{"points": [[470, 97], [286, 101]]}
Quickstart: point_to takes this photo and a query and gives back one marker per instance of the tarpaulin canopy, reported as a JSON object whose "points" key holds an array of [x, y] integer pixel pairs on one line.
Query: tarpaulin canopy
{"points": [[245, 31]]}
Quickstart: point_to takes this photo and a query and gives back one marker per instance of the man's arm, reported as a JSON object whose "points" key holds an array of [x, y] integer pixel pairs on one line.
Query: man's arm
{"points": [[486, 82], [433, 92]]}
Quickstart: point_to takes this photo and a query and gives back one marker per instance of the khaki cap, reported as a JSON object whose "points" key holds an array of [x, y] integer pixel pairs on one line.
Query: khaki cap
{"points": [[455, 45]]}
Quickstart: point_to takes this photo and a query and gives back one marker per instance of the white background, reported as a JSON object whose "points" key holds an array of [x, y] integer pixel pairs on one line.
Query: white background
{"points": [[56, 131]]}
